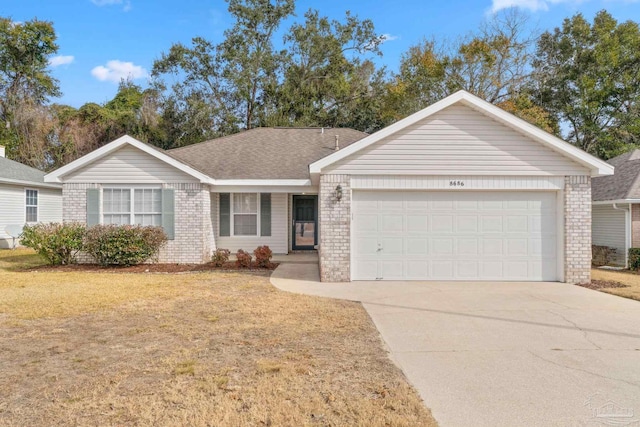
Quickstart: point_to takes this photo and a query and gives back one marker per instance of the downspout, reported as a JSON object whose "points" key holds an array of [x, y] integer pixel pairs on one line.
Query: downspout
{"points": [[627, 234]]}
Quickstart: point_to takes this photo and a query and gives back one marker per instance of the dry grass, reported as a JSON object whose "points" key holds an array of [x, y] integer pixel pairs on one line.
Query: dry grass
{"points": [[632, 281], [189, 349]]}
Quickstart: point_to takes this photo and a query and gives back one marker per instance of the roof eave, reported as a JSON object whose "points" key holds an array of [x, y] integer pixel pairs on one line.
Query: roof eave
{"points": [[30, 183]]}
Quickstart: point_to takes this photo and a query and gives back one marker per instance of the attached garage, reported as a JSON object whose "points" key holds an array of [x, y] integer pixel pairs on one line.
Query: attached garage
{"points": [[461, 190], [465, 235]]}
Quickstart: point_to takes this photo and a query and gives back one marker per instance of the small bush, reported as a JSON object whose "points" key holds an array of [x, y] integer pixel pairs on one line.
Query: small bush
{"points": [[602, 255], [220, 257], [263, 256], [123, 244], [634, 259], [58, 243], [243, 259]]}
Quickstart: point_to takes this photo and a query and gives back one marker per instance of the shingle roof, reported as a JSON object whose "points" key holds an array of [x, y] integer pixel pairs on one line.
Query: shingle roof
{"points": [[11, 171], [623, 184], [265, 153]]}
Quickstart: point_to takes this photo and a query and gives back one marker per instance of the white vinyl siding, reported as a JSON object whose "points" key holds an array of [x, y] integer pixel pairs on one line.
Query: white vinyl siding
{"points": [[608, 228], [280, 228], [13, 208], [458, 141], [129, 165], [469, 235]]}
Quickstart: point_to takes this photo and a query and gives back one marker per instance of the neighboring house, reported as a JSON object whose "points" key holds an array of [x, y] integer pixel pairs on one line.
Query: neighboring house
{"points": [[461, 190], [616, 207], [25, 198]]}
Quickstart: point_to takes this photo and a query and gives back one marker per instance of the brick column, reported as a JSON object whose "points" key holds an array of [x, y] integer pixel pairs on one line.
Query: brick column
{"points": [[335, 229], [577, 229], [635, 226]]}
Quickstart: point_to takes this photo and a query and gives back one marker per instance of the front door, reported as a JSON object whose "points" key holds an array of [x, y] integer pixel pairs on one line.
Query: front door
{"points": [[305, 222]]}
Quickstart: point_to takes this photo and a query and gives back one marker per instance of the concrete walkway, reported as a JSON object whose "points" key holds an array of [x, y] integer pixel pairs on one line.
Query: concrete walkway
{"points": [[502, 354]]}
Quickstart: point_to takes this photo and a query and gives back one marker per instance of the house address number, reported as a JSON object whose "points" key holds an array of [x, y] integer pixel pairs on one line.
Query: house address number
{"points": [[456, 183]]}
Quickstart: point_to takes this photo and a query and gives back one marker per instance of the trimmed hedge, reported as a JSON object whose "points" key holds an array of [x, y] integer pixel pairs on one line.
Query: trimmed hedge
{"points": [[634, 259], [58, 243], [123, 244]]}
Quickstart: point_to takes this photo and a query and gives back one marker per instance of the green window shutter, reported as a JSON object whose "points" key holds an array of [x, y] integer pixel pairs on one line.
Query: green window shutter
{"points": [[93, 207], [168, 212], [265, 214], [225, 214]]}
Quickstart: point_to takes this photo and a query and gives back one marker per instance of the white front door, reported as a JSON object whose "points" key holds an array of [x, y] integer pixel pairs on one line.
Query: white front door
{"points": [[483, 235]]}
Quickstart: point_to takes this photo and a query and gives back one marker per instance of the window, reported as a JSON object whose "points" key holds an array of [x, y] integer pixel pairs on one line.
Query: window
{"points": [[31, 203], [141, 206], [245, 214]]}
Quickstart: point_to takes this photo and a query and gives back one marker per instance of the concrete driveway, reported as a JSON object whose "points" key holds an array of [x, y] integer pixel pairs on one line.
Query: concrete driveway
{"points": [[503, 354]]}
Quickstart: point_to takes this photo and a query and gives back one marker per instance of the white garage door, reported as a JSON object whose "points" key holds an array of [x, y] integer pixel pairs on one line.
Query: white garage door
{"points": [[454, 235]]}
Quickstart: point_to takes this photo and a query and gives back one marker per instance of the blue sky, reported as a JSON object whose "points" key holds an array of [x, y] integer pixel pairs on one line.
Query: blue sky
{"points": [[104, 40]]}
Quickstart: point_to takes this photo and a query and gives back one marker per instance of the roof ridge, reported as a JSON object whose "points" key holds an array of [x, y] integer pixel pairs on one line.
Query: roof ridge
{"points": [[206, 141]]}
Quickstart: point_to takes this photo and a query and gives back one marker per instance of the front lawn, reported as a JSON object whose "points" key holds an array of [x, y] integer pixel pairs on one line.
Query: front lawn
{"points": [[212, 348], [630, 280]]}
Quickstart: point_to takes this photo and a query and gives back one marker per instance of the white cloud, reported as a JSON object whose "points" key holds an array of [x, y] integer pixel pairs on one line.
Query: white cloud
{"points": [[59, 60], [125, 3], [532, 5], [117, 70], [386, 37], [536, 5]]}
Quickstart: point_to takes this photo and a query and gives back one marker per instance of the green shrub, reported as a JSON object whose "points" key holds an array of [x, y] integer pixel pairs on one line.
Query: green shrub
{"points": [[263, 256], [602, 255], [220, 257], [123, 244], [243, 259], [56, 242], [634, 259]]}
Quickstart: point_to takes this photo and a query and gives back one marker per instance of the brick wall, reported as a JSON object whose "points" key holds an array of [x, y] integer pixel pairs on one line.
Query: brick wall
{"points": [[335, 229], [577, 229], [635, 226], [193, 241]]}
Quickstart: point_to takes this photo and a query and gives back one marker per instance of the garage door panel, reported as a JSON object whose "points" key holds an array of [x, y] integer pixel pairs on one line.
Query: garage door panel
{"points": [[441, 224], [391, 223], [365, 223], [461, 235], [491, 224], [392, 246], [466, 223], [492, 247], [392, 269], [517, 224], [417, 270], [364, 246], [442, 270], [417, 223], [417, 246], [442, 246], [468, 270], [467, 246]]}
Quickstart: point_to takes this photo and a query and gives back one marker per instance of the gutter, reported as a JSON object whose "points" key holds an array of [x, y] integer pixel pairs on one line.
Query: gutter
{"points": [[30, 183]]}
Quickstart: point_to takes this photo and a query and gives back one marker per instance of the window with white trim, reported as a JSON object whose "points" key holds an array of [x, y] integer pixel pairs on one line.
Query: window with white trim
{"points": [[142, 206], [244, 214], [31, 203]]}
